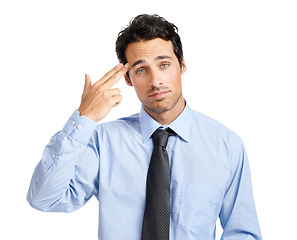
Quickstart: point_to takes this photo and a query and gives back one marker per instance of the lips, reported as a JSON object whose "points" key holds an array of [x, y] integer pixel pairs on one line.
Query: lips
{"points": [[159, 94]]}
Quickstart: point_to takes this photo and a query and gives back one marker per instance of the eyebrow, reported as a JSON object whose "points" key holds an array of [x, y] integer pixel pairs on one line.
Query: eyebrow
{"points": [[137, 62], [156, 59], [162, 57]]}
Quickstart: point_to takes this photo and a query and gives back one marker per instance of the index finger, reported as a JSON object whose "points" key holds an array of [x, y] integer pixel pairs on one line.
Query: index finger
{"points": [[113, 79]]}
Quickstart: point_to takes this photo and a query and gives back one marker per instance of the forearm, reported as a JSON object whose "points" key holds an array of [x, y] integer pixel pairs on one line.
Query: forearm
{"points": [[54, 179], [238, 213]]}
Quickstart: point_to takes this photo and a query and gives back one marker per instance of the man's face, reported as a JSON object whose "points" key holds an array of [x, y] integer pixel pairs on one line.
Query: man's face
{"points": [[155, 74]]}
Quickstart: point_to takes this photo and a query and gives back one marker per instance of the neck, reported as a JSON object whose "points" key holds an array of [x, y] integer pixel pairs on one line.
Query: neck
{"points": [[169, 116]]}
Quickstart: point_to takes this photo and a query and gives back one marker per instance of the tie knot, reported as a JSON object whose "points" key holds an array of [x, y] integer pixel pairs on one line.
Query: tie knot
{"points": [[160, 137]]}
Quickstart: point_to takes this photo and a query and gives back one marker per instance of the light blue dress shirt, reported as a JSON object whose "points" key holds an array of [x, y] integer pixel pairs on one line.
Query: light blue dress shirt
{"points": [[210, 176]]}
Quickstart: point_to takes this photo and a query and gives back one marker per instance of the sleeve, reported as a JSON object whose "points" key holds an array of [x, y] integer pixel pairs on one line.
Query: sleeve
{"points": [[67, 175], [238, 213]]}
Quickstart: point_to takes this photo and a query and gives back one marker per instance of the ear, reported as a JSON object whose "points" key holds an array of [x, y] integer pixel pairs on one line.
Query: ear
{"points": [[127, 79], [183, 66]]}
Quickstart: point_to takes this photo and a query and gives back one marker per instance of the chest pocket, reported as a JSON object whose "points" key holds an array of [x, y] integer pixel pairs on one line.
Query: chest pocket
{"points": [[199, 208]]}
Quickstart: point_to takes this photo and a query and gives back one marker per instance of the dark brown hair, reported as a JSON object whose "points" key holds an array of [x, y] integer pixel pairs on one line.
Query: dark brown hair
{"points": [[148, 27]]}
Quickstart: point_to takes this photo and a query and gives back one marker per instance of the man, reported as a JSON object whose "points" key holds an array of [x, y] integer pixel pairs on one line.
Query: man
{"points": [[166, 173]]}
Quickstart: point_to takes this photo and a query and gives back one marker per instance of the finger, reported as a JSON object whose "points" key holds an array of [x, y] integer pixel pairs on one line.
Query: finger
{"points": [[88, 82], [113, 92], [109, 74], [117, 76], [117, 99]]}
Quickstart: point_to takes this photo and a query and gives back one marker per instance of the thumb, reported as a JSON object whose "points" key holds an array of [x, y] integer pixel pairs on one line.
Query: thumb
{"points": [[88, 82]]}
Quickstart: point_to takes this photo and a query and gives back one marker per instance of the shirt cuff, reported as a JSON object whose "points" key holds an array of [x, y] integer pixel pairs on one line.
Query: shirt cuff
{"points": [[80, 128]]}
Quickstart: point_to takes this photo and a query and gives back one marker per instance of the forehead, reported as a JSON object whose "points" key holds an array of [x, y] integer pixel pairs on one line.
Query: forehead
{"points": [[149, 49]]}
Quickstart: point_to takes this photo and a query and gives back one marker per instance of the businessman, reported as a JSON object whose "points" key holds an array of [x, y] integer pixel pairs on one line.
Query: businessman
{"points": [[167, 172]]}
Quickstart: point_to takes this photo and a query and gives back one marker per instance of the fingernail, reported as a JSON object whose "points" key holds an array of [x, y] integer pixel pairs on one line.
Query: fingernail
{"points": [[120, 65], [127, 65]]}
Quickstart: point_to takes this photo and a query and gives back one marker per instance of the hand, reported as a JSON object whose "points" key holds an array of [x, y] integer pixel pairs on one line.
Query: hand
{"points": [[98, 99]]}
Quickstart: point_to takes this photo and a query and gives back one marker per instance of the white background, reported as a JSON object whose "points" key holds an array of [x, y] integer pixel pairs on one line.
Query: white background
{"points": [[241, 58]]}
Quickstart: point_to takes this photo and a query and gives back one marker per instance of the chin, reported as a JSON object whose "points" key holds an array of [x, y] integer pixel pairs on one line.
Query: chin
{"points": [[162, 105], [159, 107]]}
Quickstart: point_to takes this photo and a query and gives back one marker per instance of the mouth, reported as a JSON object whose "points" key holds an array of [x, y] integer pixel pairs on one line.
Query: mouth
{"points": [[159, 94]]}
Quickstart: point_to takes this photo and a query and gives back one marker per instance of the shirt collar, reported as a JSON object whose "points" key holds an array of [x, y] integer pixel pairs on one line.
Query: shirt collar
{"points": [[181, 125]]}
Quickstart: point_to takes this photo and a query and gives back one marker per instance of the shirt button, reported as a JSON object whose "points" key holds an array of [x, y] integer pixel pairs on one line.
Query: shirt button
{"points": [[73, 123], [53, 156], [79, 127]]}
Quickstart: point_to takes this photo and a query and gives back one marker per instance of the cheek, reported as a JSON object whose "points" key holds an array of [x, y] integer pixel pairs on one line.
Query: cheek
{"points": [[139, 87], [173, 79]]}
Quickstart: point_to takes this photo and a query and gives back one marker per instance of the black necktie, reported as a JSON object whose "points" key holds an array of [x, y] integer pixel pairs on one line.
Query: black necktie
{"points": [[156, 218]]}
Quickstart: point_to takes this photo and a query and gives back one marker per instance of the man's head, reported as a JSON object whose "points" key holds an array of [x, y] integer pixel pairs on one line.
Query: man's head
{"points": [[153, 50], [148, 27]]}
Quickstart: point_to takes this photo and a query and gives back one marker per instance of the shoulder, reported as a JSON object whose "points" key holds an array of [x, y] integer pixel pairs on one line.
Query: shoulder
{"points": [[216, 134], [125, 124], [214, 128]]}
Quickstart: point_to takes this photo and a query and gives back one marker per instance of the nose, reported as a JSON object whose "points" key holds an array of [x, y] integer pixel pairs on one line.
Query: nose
{"points": [[155, 79]]}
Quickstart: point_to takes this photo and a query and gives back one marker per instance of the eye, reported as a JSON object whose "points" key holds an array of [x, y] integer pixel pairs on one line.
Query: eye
{"points": [[165, 65], [141, 70]]}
